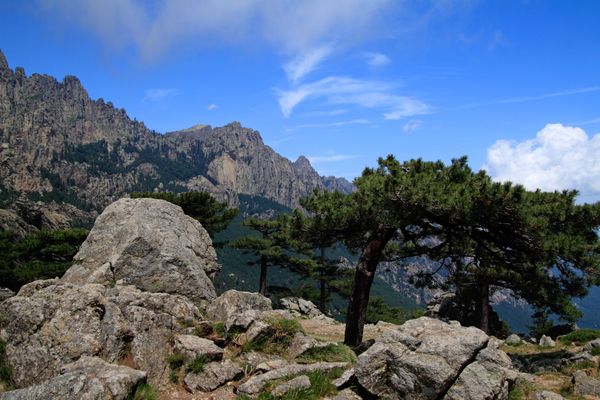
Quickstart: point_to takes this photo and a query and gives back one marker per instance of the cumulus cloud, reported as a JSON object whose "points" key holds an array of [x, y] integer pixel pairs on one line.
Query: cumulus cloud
{"points": [[376, 60], [159, 94], [559, 157], [358, 92]]}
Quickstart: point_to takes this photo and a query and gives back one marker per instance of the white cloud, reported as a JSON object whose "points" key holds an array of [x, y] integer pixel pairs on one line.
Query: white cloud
{"points": [[344, 90], [292, 27], [211, 106], [411, 125], [376, 60], [159, 94], [307, 62], [330, 158], [559, 157]]}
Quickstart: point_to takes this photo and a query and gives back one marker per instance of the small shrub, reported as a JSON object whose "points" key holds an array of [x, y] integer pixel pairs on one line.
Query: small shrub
{"points": [[185, 323], [143, 392], [580, 336], [175, 361], [203, 330], [331, 353], [571, 368], [197, 365], [596, 351]]}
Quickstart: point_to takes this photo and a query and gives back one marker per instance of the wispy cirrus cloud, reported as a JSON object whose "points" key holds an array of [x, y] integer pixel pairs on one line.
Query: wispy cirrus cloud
{"points": [[411, 126], [377, 60], [351, 91], [212, 106], [153, 95], [305, 63]]}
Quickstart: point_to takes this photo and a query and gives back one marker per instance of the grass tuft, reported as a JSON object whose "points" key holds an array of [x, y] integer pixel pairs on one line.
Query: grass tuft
{"points": [[175, 361], [580, 336], [143, 392], [331, 353], [5, 370], [197, 365], [279, 340]]}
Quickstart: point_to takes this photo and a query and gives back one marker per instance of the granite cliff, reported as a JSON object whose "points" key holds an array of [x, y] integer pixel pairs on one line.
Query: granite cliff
{"points": [[56, 143]]}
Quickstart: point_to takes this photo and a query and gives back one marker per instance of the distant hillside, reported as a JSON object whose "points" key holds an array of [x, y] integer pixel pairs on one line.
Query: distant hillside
{"points": [[58, 144]]}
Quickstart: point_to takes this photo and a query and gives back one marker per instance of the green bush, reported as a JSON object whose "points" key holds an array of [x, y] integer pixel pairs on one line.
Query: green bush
{"points": [[173, 376], [596, 351], [580, 336]]}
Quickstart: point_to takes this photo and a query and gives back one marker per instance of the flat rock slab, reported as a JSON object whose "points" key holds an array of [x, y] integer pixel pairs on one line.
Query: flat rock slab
{"points": [[87, 378], [298, 383], [585, 385], [257, 382], [215, 374], [191, 347]]}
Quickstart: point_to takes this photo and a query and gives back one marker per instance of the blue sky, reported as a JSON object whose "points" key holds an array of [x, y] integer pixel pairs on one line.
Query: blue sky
{"points": [[514, 85]]}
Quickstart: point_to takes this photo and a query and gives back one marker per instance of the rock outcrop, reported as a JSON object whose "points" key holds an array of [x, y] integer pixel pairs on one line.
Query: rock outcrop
{"points": [[430, 359], [58, 143], [87, 378], [150, 244]]}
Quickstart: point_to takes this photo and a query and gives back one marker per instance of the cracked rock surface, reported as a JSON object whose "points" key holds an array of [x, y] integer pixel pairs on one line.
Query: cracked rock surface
{"points": [[430, 359]]}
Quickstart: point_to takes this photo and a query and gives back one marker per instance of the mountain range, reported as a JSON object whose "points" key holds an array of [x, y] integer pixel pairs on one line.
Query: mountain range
{"points": [[57, 144]]}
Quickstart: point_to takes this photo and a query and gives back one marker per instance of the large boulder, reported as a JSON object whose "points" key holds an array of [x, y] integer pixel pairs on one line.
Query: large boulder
{"points": [[150, 244], [233, 303], [52, 323], [87, 378], [427, 358]]}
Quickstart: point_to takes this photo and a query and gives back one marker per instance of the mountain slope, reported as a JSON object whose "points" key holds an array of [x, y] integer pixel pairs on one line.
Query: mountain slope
{"points": [[58, 144]]}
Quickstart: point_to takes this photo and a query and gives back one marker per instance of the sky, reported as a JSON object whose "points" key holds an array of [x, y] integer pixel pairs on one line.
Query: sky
{"points": [[513, 85]]}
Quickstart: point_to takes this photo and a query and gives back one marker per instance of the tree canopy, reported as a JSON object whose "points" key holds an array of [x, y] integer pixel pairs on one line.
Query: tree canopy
{"points": [[483, 234]]}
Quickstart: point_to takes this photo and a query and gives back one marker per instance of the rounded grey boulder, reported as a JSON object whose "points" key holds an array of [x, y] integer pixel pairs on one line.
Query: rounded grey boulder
{"points": [[150, 244]]}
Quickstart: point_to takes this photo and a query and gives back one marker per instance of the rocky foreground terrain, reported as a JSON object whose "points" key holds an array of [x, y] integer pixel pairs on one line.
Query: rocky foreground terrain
{"points": [[137, 316]]}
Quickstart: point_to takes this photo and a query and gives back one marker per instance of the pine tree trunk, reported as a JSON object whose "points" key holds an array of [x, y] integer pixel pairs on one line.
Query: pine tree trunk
{"points": [[262, 283], [323, 283], [363, 279], [483, 307]]}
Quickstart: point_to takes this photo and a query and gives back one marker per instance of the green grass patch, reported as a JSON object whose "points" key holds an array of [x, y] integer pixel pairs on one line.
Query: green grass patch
{"points": [[580, 336], [576, 366], [173, 376], [331, 353], [175, 361], [596, 351], [280, 340], [521, 391], [143, 392], [320, 386], [219, 329], [197, 365]]}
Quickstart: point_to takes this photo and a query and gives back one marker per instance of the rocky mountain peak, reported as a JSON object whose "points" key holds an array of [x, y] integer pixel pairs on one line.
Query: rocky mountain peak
{"points": [[3, 62], [302, 163]]}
